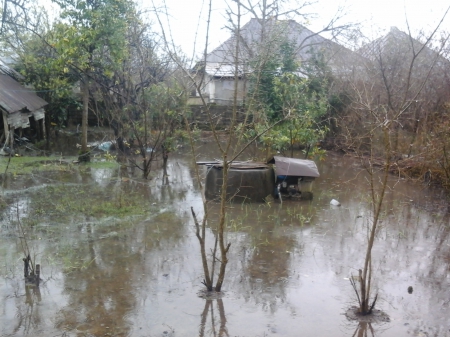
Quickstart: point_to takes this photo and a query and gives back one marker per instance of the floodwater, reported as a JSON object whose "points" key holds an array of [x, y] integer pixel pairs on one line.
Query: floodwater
{"points": [[289, 264]]}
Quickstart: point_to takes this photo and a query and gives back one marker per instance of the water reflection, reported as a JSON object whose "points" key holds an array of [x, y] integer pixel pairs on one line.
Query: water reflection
{"points": [[364, 329], [102, 176], [18, 210], [31, 316], [103, 291], [210, 325], [287, 272], [99, 292], [23, 310]]}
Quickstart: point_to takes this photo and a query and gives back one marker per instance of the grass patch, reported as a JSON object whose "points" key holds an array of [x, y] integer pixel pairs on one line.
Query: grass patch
{"points": [[28, 165], [102, 164], [61, 203]]}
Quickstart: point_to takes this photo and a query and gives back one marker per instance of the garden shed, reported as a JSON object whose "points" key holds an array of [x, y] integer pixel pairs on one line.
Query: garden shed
{"points": [[250, 181], [294, 177], [255, 181], [18, 104]]}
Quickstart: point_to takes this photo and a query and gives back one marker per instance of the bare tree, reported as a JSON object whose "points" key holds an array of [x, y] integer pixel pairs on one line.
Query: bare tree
{"points": [[140, 101], [235, 54], [397, 75]]}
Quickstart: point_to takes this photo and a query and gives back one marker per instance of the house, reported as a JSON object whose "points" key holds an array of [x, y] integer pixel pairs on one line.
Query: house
{"points": [[17, 104], [219, 83], [395, 42], [260, 39], [396, 51], [409, 76]]}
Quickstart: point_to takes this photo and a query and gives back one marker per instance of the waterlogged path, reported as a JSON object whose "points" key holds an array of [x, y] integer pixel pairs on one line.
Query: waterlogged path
{"points": [[107, 274]]}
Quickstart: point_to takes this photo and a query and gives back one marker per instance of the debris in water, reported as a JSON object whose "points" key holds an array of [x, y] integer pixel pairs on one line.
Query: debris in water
{"points": [[112, 234], [7, 151], [334, 202], [106, 146]]}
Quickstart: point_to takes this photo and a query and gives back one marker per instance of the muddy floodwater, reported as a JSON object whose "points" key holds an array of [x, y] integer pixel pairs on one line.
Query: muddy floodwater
{"points": [[289, 264]]}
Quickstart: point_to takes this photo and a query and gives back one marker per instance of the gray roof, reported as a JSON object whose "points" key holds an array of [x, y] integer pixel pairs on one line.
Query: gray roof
{"points": [[397, 42], [276, 31], [15, 98], [6, 70]]}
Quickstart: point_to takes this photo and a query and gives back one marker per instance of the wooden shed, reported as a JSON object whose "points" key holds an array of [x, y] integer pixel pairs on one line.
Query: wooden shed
{"points": [[18, 104]]}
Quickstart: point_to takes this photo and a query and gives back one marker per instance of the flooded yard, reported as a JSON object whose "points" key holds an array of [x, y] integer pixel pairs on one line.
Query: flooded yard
{"points": [[106, 274]]}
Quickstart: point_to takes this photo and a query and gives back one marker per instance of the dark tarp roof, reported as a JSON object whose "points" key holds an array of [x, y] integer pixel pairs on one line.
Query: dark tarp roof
{"points": [[238, 165], [14, 97], [294, 167]]}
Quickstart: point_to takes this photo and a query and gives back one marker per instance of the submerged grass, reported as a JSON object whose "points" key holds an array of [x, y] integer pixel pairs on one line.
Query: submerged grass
{"points": [[29, 164], [53, 208], [59, 213], [89, 200]]}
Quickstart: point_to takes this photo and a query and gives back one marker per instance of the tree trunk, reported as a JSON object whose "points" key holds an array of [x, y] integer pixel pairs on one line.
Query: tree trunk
{"points": [[221, 229], [201, 233], [84, 117], [366, 274]]}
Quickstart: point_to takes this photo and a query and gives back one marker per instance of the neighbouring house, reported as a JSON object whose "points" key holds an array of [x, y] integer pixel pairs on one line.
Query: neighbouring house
{"points": [[408, 76], [219, 84], [19, 105], [259, 39], [395, 42]]}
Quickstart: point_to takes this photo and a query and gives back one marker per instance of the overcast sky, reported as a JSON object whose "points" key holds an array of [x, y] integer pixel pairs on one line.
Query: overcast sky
{"points": [[187, 19]]}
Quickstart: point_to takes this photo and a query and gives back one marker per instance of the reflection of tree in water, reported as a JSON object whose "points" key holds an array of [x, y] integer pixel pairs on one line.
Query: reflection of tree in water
{"points": [[264, 254], [434, 278], [100, 292], [367, 327], [364, 329], [173, 182], [268, 262], [28, 315], [267, 268], [417, 235], [217, 327], [165, 177]]}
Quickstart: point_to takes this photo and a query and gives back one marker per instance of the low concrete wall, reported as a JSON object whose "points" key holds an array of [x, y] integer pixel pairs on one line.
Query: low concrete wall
{"points": [[243, 185], [221, 116]]}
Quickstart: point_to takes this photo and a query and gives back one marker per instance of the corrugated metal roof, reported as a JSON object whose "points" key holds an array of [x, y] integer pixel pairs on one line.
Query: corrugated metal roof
{"points": [[6, 70], [222, 69], [14, 97]]}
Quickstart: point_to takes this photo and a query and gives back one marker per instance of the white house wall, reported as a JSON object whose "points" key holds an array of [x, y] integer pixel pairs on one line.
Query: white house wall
{"points": [[221, 91], [211, 90]]}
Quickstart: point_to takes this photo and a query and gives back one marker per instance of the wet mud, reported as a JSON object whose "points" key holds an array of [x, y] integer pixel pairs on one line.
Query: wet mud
{"points": [[119, 256]]}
